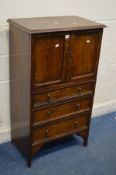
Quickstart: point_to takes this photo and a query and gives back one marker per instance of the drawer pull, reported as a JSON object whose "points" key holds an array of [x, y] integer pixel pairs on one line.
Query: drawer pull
{"points": [[49, 112], [79, 90], [76, 123], [77, 106], [36, 105], [46, 133], [49, 97]]}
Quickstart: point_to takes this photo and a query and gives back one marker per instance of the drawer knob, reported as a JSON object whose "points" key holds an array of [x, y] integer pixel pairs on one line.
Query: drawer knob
{"points": [[79, 90], [49, 97], [77, 106], [76, 123], [49, 112], [46, 133]]}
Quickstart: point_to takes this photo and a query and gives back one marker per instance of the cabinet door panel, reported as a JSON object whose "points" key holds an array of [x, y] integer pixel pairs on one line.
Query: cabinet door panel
{"points": [[48, 56], [84, 54]]}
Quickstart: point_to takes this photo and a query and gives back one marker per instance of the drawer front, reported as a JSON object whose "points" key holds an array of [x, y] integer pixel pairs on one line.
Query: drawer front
{"points": [[61, 110], [64, 93], [60, 128]]}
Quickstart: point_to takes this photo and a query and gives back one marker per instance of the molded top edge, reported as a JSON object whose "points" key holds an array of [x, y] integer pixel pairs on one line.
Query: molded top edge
{"points": [[53, 24]]}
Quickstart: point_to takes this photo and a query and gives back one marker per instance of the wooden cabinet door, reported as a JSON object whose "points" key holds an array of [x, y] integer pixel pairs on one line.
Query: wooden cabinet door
{"points": [[84, 54], [48, 59]]}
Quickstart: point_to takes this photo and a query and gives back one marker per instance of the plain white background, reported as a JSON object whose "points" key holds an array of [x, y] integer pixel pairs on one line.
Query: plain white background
{"points": [[103, 11]]}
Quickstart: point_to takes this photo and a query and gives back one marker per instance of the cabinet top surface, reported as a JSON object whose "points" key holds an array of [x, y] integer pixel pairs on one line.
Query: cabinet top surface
{"points": [[52, 24]]}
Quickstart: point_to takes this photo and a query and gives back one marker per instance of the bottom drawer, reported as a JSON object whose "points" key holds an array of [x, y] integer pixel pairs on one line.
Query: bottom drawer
{"points": [[42, 134]]}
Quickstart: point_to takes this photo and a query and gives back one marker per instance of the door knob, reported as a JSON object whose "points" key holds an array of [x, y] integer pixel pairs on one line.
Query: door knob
{"points": [[88, 41]]}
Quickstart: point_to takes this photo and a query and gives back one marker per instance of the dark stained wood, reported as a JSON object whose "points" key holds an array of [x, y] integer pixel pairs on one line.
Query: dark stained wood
{"points": [[53, 72], [61, 94], [60, 128], [20, 62], [56, 111], [65, 84], [85, 135], [36, 148], [52, 24], [47, 54], [83, 62]]}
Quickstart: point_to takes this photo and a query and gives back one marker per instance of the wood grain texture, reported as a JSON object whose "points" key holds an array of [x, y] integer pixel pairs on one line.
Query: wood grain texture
{"points": [[48, 57], [56, 111], [83, 62], [60, 128], [20, 88], [53, 71], [62, 94]]}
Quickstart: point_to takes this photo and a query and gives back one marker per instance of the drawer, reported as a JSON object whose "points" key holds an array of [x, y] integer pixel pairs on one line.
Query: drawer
{"points": [[61, 128], [62, 110], [63, 93]]}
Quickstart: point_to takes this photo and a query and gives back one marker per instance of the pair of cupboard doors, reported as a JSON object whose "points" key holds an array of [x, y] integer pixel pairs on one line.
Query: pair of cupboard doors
{"points": [[62, 57]]}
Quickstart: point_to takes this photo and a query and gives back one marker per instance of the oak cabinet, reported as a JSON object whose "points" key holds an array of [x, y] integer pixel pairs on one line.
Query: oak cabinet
{"points": [[53, 71]]}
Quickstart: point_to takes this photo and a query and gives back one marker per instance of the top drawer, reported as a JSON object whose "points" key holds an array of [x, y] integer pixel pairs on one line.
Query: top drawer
{"points": [[64, 93]]}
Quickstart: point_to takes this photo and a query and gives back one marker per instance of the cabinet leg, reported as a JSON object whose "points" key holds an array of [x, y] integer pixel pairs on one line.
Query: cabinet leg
{"points": [[85, 143], [33, 151], [29, 160], [29, 163], [12, 141], [84, 135]]}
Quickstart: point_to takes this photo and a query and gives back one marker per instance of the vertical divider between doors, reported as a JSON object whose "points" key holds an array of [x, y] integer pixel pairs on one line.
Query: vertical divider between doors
{"points": [[66, 59]]}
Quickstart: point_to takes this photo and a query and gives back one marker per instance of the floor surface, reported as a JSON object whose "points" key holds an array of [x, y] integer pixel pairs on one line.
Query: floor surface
{"points": [[68, 156]]}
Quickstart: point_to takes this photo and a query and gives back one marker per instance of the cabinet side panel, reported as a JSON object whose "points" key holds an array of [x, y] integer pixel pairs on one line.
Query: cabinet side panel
{"points": [[20, 71]]}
